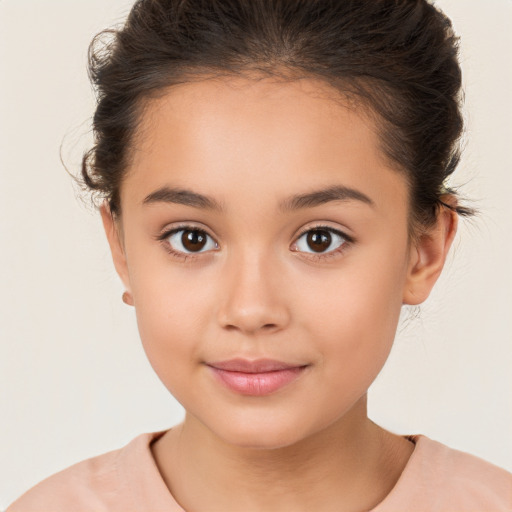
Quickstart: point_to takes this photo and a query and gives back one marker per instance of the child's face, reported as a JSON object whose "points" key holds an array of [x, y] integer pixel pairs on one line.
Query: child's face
{"points": [[255, 288]]}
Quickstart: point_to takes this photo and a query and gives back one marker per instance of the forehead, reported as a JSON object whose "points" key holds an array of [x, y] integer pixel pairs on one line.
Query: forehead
{"points": [[246, 106], [226, 136]]}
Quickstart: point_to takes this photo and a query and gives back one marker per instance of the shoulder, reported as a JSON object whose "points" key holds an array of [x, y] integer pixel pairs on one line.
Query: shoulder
{"points": [[87, 482], [443, 479], [99, 483], [462, 473]]}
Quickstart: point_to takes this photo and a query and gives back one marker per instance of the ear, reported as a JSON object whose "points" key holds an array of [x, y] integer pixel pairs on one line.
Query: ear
{"points": [[427, 257], [114, 237]]}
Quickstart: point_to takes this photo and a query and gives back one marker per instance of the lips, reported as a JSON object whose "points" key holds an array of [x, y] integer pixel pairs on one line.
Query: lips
{"points": [[255, 378]]}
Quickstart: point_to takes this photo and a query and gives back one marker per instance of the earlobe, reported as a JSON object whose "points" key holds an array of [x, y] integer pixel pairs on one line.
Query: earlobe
{"points": [[116, 245], [428, 256]]}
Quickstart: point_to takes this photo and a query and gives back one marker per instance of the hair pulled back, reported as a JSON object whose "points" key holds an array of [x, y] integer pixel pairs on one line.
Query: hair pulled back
{"points": [[398, 57]]}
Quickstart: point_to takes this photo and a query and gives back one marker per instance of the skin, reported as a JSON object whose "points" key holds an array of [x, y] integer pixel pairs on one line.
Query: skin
{"points": [[257, 290]]}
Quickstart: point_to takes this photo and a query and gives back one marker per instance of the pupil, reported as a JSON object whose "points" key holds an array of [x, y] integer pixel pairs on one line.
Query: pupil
{"points": [[193, 240], [319, 240]]}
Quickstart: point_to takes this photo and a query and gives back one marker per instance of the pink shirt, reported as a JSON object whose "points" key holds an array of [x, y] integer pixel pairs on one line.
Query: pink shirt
{"points": [[435, 479]]}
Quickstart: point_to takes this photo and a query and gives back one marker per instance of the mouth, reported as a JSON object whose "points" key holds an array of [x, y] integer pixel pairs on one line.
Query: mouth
{"points": [[256, 378]]}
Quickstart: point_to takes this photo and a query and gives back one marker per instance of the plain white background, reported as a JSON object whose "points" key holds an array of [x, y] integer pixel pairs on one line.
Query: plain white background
{"points": [[74, 380]]}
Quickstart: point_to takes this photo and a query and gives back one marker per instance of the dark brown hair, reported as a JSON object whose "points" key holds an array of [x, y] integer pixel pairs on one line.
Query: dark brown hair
{"points": [[397, 57]]}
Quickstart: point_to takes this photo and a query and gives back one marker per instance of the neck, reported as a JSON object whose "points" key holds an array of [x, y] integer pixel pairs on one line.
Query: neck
{"points": [[350, 465]]}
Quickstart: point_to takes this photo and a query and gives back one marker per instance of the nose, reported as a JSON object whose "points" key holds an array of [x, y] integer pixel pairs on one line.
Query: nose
{"points": [[252, 300]]}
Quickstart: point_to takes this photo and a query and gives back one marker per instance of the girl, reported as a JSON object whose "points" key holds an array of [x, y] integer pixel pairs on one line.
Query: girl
{"points": [[274, 183]]}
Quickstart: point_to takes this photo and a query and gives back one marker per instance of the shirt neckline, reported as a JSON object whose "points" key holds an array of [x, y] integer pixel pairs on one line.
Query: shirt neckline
{"points": [[147, 483]]}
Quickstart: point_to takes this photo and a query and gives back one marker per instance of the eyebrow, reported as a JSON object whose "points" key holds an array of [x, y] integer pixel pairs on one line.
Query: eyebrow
{"points": [[296, 202], [323, 196], [183, 196]]}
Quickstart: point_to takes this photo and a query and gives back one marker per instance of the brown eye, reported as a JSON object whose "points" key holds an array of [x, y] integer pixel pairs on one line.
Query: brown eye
{"points": [[321, 240], [193, 240], [188, 240]]}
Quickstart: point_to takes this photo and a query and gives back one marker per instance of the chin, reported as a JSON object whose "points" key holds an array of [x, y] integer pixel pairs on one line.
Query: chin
{"points": [[260, 434]]}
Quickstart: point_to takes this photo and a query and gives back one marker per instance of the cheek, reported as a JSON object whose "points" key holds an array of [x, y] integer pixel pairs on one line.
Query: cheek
{"points": [[356, 312], [171, 308]]}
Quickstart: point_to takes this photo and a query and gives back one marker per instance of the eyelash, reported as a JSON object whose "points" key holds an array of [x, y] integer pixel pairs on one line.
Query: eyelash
{"points": [[348, 240]]}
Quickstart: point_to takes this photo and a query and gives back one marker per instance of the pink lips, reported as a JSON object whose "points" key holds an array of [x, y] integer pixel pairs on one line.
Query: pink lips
{"points": [[256, 378]]}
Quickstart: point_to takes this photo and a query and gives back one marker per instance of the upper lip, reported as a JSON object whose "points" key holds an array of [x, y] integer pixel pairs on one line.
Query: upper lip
{"points": [[254, 366]]}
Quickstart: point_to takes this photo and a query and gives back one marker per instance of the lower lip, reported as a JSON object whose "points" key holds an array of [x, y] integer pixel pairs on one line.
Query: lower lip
{"points": [[258, 384]]}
